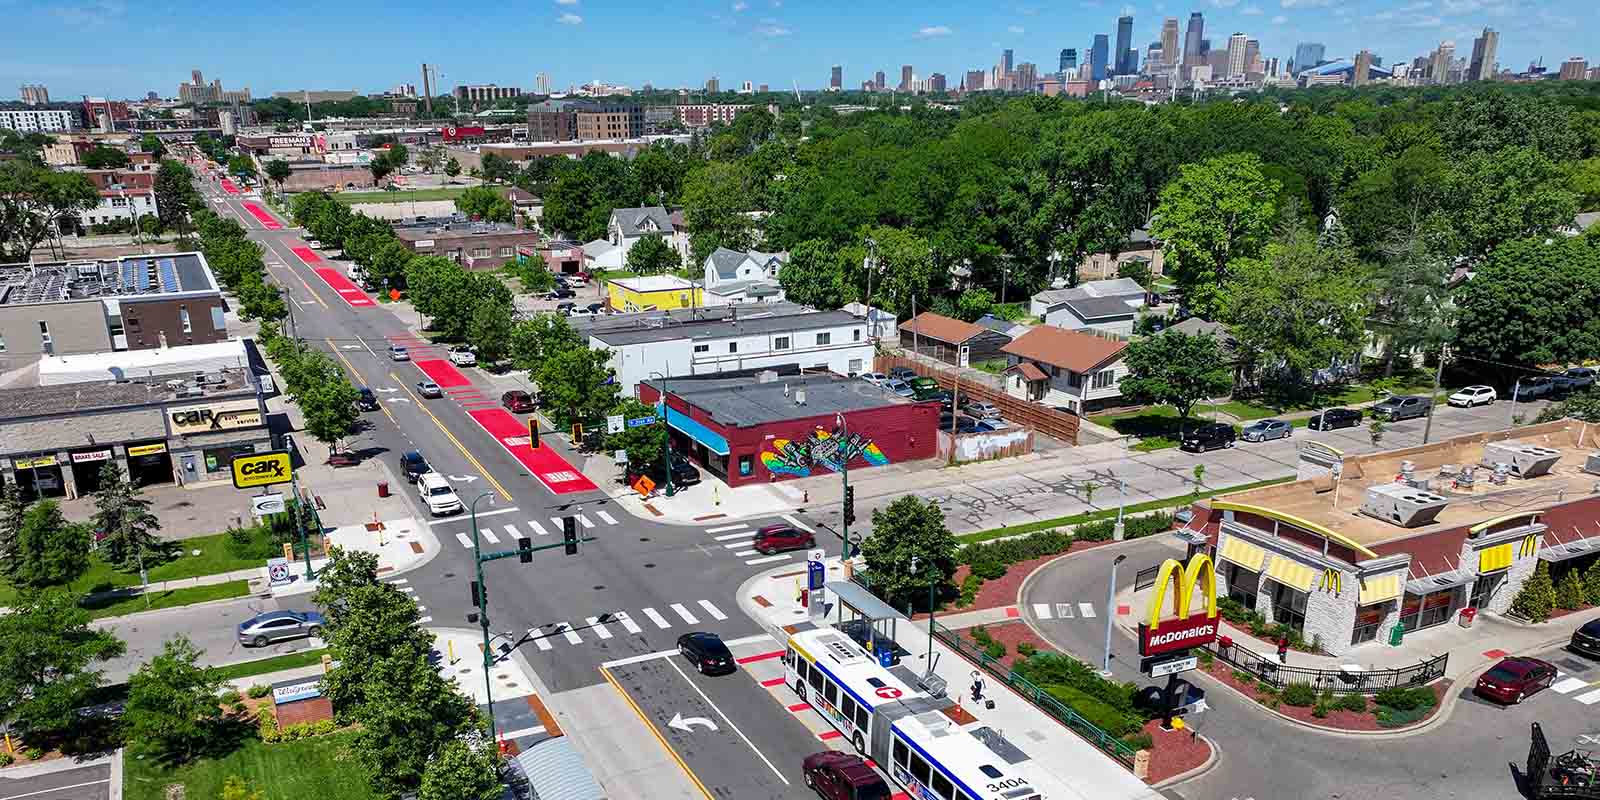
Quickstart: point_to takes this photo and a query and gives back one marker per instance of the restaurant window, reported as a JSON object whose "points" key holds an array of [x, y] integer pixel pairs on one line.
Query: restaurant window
{"points": [[1483, 590], [1242, 584], [1289, 606], [1368, 618], [1425, 611]]}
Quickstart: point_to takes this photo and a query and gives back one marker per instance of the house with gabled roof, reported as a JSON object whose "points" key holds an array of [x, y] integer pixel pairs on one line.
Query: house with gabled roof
{"points": [[733, 277], [628, 225], [1072, 369]]}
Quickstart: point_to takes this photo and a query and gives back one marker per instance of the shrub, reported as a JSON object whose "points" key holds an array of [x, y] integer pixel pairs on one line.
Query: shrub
{"points": [[1139, 741], [1102, 715], [1354, 702], [994, 650], [258, 691], [1406, 698], [1205, 658], [1026, 649], [34, 753], [267, 727], [1591, 584], [969, 590], [1569, 594], [981, 635], [1243, 677], [990, 559], [6, 759], [1319, 710], [240, 707], [229, 697], [1299, 695], [1538, 596]]}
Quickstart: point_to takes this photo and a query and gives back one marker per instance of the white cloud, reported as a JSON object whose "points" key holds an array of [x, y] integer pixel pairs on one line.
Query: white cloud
{"points": [[1251, 11], [772, 30], [1224, 3], [1306, 3], [930, 31], [1016, 29], [1279, 20], [740, 6], [570, 19]]}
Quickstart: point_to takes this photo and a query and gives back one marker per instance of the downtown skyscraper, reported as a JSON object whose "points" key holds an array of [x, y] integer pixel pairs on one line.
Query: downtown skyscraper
{"points": [[1127, 59], [1097, 57], [1169, 41], [1069, 59], [1481, 68], [1192, 38]]}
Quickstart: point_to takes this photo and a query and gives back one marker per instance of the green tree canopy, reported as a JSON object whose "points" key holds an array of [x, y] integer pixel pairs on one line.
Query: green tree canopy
{"points": [[652, 255], [33, 200], [481, 202], [48, 653], [645, 444], [539, 339], [106, 157], [577, 384], [908, 528], [172, 711], [462, 770], [489, 330], [715, 199], [278, 171], [46, 550], [123, 515], [1176, 369], [1532, 302], [1212, 214]]}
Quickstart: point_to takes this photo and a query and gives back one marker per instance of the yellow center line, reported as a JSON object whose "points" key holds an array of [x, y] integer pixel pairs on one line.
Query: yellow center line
{"points": [[360, 377], [453, 440], [659, 738], [296, 274]]}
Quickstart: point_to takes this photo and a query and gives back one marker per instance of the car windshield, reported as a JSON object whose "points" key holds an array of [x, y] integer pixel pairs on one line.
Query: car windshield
{"points": [[439, 491], [1502, 675]]}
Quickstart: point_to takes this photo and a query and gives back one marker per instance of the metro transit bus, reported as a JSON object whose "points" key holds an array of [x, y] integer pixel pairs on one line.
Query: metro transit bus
{"points": [[907, 731]]}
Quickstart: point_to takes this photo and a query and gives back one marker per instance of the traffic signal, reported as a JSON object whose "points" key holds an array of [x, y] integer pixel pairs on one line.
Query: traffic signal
{"points": [[569, 534], [479, 597], [533, 431], [849, 504], [525, 550]]}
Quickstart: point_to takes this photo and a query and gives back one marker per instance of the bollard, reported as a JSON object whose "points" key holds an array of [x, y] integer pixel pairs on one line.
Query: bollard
{"points": [[327, 663], [1141, 764], [451, 647]]}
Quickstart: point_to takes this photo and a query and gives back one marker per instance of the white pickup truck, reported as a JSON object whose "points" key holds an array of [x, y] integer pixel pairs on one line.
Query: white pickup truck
{"points": [[463, 357]]}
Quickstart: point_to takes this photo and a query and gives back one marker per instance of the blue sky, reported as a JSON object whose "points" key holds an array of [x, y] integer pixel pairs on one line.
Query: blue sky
{"points": [[125, 49]]}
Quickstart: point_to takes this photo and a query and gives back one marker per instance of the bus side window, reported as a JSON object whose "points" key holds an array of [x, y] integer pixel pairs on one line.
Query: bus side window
{"points": [[788, 656], [960, 795], [800, 668], [861, 717], [942, 787], [816, 678], [900, 752], [831, 691], [849, 707], [919, 769]]}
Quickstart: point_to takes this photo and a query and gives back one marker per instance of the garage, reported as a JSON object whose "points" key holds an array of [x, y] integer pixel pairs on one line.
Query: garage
{"points": [[86, 466], [39, 476], [149, 464]]}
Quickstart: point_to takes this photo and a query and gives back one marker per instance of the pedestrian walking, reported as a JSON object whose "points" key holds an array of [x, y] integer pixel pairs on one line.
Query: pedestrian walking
{"points": [[1283, 648]]}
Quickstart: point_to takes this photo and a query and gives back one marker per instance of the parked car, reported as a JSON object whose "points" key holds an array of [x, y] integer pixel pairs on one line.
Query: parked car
{"points": [[960, 424], [1403, 406], [566, 308], [597, 309], [366, 400], [1335, 418], [399, 353], [683, 473], [706, 652], [996, 424], [925, 388], [979, 409], [874, 378], [1474, 396], [437, 494], [1535, 387], [1265, 430], [906, 374], [429, 389], [1515, 678], [777, 538], [413, 465], [835, 775], [1581, 377], [463, 356], [559, 293], [1208, 436], [1586, 640], [899, 387], [517, 402], [579, 312], [275, 626], [314, 244]]}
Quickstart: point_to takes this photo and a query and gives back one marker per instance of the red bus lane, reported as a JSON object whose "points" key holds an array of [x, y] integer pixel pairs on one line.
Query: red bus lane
{"points": [[229, 187], [347, 291], [441, 372], [551, 469], [267, 221]]}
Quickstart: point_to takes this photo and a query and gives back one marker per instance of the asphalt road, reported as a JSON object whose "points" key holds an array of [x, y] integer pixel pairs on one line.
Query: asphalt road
{"points": [[83, 783], [1467, 757], [210, 627]]}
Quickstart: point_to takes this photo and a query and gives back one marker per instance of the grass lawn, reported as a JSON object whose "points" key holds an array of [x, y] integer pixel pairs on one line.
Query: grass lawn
{"points": [[172, 598], [309, 769], [262, 666], [993, 366], [1108, 513], [613, 274], [1350, 394], [403, 196], [214, 557]]}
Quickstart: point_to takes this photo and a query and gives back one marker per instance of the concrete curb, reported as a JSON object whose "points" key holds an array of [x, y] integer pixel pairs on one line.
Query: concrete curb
{"points": [[1211, 762]]}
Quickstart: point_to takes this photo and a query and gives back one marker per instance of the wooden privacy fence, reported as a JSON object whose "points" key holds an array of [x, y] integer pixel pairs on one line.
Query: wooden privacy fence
{"points": [[1044, 419]]}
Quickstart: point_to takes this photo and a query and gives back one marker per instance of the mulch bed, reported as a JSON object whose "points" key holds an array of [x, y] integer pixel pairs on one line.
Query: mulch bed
{"points": [[1002, 591], [1337, 719], [1009, 633], [1558, 613], [1173, 752]]}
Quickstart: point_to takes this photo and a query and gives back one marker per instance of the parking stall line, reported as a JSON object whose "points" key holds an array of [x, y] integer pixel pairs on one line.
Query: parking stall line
{"points": [[684, 612], [628, 624], [655, 616], [712, 610], [598, 627]]}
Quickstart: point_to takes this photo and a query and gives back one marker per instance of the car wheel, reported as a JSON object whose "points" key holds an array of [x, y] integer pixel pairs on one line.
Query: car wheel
{"points": [[1519, 697], [811, 782], [702, 668], [861, 744], [259, 641], [811, 542], [1229, 445], [315, 631]]}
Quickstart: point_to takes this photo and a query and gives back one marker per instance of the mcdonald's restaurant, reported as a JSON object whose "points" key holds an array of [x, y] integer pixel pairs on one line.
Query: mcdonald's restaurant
{"points": [[1363, 551]]}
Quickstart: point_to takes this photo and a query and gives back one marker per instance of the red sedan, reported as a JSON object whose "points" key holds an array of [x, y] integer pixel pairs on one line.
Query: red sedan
{"points": [[518, 402], [1515, 678], [777, 538]]}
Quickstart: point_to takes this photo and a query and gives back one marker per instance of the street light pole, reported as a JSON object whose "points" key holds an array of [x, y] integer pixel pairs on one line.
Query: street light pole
{"points": [[844, 476], [1117, 531], [666, 433], [483, 615], [1511, 412], [1111, 598]]}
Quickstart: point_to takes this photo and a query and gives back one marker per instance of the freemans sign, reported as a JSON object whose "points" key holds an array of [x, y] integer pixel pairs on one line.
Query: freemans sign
{"points": [[262, 469], [1186, 626]]}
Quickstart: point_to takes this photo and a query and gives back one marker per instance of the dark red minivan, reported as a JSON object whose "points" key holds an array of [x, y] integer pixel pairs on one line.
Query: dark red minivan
{"points": [[843, 776], [518, 402], [776, 538]]}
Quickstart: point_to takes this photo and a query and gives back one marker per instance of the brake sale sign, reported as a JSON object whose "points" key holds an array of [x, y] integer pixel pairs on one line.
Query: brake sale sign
{"points": [[262, 469]]}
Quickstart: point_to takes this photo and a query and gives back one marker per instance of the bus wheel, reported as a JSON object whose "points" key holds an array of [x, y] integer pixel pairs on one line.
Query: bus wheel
{"points": [[861, 744], [800, 689]]}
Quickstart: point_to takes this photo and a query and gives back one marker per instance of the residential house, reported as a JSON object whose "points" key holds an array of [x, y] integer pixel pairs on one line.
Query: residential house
{"points": [[951, 340], [880, 323], [734, 277], [629, 225], [529, 209], [1075, 370], [1139, 248], [1110, 306]]}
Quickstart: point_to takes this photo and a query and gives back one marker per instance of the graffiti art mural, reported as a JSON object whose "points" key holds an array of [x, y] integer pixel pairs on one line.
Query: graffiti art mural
{"points": [[830, 451]]}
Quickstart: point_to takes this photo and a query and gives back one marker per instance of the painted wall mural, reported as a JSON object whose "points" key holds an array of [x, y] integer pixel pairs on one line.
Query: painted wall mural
{"points": [[822, 448]]}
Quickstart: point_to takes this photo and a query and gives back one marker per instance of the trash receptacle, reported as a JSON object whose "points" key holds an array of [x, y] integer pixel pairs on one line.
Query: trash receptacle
{"points": [[1468, 614], [1397, 634], [383, 488]]}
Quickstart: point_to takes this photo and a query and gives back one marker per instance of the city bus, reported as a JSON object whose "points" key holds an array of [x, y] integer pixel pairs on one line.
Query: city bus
{"points": [[906, 730]]}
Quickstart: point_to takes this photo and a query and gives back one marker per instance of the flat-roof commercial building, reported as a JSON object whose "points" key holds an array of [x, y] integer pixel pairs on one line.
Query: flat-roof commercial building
{"points": [[30, 120], [771, 427], [128, 303], [1361, 544], [474, 245]]}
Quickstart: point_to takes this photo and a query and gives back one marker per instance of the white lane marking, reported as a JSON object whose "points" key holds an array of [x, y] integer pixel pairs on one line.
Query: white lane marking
{"points": [[735, 728], [464, 540], [628, 623], [1569, 685], [1086, 610], [655, 616], [1041, 610], [537, 528], [789, 518], [768, 560], [743, 553], [684, 612], [489, 534], [572, 635], [752, 639], [1589, 698], [725, 537], [712, 610], [598, 627], [737, 545], [725, 528], [622, 662], [511, 532], [1064, 610], [424, 620], [518, 734], [481, 515], [610, 520], [560, 526], [543, 643], [58, 789], [407, 589], [585, 521], [398, 582]]}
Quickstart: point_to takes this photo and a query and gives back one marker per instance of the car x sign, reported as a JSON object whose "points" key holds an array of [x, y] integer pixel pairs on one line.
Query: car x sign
{"points": [[262, 469]]}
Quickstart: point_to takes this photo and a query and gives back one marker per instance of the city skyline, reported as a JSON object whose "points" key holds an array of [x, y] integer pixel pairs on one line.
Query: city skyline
{"points": [[788, 44]]}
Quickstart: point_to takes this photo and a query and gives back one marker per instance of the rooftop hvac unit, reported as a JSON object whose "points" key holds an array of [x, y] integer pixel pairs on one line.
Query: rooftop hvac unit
{"points": [[1592, 464], [1526, 460], [1399, 504]]}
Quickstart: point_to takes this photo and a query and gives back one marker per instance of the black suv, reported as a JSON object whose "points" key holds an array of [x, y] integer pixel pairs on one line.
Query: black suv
{"points": [[1335, 418], [413, 465], [1586, 640], [366, 400], [1209, 436], [683, 473]]}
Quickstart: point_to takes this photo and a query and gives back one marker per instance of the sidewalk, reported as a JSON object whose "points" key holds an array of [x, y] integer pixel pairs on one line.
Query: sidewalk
{"points": [[401, 545], [771, 599], [710, 499]]}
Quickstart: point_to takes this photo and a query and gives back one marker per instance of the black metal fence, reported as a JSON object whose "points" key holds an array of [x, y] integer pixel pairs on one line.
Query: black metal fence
{"points": [[1571, 774], [1145, 578], [1270, 671]]}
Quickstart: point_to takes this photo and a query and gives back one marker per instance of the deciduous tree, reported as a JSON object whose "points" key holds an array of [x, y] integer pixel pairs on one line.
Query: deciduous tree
{"points": [[172, 711], [645, 444], [481, 202], [909, 528], [1212, 214], [408, 715], [1532, 302], [489, 330], [463, 769], [651, 255], [815, 275], [47, 550], [577, 384], [278, 171], [1176, 369], [48, 653], [537, 340], [715, 199]]}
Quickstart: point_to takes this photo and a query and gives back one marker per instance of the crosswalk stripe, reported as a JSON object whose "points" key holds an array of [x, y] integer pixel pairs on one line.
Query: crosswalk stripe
{"points": [[726, 528], [1569, 685], [407, 589], [572, 635], [660, 621], [1086, 610], [1041, 610], [789, 518], [560, 526], [712, 610], [585, 521], [489, 534], [1589, 698], [511, 531], [537, 528], [424, 620], [726, 536], [743, 553], [684, 612], [628, 623], [1063, 611], [610, 520], [398, 581], [736, 545], [768, 559], [598, 627], [465, 541], [543, 643]]}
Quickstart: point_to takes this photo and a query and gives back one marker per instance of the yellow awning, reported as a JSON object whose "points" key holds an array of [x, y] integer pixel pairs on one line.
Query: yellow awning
{"points": [[1289, 573], [1243, 553], [1491, 559], [1377, 590]]}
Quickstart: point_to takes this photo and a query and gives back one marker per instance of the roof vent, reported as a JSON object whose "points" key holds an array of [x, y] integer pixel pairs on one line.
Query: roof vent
{"points": [[1402, 505], [1525, 460]]}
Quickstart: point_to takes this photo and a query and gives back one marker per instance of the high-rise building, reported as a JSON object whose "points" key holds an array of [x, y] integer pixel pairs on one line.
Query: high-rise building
{"points": [[1441, 61], [1308, 55], [1252, 56], [1363, 69], [877, 80], [936, 83], [1169, 41], [905, 77], [1237, 46], [1027, 76], [836, 80], [974, 80], [1069, 59], [713, 85], [1191, 39], [1097, 57], [1006, 63], [34, 95], [1124, 43], [1574, 69], [1481, 68]]}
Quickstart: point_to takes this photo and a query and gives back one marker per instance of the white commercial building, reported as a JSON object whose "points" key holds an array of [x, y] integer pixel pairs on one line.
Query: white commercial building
{"points": [[38, 119]]}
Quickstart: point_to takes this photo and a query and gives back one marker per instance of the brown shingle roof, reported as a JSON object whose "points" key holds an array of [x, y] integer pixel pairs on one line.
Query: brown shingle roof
{"points": [[938, 326], [1079, 352], [1029, 371]]}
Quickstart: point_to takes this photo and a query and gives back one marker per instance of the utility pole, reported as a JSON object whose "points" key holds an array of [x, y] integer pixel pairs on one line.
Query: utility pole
{"points": [[1438, 374], [666, 433], [1111, 599], [844, 475]]}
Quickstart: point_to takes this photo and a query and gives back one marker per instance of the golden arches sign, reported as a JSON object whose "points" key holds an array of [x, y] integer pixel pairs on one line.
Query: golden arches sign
{"points": [[1199, 575]]}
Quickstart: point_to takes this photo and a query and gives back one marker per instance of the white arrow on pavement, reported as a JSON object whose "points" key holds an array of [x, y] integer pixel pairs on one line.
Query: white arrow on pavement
{"points": [[462, 478], [686, 724], [398, 399], [388, 389]]}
